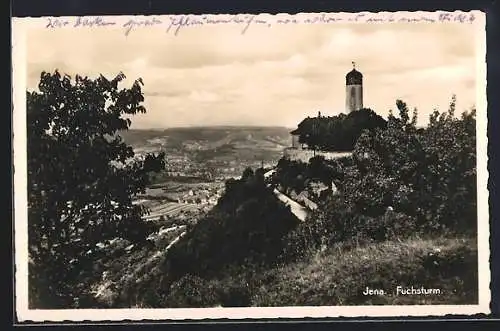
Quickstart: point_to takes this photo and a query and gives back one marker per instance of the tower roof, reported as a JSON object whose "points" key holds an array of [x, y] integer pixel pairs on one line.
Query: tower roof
{"points": [[354, 77]]}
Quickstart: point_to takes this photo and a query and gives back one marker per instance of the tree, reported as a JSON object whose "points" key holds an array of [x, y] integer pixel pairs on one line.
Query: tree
{"points": [[338, 133], [450, 146], [81, 179], [401, 180], [247, 173], [385, 163], [427, 173]]}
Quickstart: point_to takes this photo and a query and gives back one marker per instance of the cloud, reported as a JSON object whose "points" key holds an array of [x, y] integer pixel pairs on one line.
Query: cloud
{"points": [[203, 97], [269, 76]]}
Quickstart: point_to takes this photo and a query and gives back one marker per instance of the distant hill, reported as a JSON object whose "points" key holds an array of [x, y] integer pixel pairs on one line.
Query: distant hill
{"points": [[222, 151], [214, 135]]}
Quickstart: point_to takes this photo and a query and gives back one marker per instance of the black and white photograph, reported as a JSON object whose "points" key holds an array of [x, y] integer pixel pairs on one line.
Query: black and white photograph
{"points": [[248, 166]]}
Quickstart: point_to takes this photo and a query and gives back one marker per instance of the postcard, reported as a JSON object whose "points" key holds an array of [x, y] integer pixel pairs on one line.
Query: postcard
{"points": [[250, 166]]}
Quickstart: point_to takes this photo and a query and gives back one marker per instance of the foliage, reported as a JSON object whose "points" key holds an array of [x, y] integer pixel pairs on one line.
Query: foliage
{"points": [[295, 175], [289, 175], [193, 291], [400, 181], [335, 223], [81, 178], [338, 133], [245, 228], [427, 173], [450, 178]]}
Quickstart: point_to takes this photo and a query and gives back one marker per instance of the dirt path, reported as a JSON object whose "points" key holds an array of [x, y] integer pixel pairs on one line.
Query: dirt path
{"points": [[297, 209]]}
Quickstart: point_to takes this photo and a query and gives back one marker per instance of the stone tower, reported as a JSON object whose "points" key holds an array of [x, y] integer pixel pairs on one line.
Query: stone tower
{"points": [[354, 90]]}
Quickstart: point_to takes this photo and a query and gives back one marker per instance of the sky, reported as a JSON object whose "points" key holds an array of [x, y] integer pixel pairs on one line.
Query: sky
{"points": [[214, 75]]}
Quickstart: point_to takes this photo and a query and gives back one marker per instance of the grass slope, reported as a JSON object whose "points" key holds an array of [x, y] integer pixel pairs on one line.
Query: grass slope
{"points": [[339, 277]]}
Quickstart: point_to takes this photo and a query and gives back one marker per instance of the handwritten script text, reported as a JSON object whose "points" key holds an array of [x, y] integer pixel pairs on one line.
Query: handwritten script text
{"points": [[174, 24]]}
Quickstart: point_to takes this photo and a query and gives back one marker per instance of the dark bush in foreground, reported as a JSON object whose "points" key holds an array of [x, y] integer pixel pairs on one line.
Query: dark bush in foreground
{"points": [[246, 228], [292, 175], [192, 292]]}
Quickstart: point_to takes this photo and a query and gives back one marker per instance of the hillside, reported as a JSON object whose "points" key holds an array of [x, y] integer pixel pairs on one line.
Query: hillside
{"points": [[212, 152], [246, 230], [210, 137], [401, 212], [340, 277], [375, 228], [211, 224]]}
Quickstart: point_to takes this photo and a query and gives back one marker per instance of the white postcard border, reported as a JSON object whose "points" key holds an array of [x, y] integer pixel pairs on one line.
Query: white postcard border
{"points": [[19, 28]]}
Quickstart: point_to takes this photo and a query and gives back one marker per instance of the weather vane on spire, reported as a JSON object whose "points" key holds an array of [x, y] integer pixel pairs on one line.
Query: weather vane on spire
{"points": [[353, 65]]}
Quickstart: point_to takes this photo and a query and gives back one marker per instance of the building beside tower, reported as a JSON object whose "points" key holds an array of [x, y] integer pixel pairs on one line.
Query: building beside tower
{"points": [[354, 90]]}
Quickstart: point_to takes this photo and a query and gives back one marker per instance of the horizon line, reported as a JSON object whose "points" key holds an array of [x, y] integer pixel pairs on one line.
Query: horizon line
{"points": [[212, 126]]}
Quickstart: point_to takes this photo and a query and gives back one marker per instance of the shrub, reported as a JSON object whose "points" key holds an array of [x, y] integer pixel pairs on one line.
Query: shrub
{"points": [[294, 176], [246, 228], [336, 223], [191, 292], [400, 181], [425, 173]]}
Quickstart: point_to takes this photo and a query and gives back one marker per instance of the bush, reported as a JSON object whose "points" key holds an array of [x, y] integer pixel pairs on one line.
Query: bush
{"points": [[191, 292], [400, 181], [294, 176], [336, 223], [246, 228], [425, 173]]}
